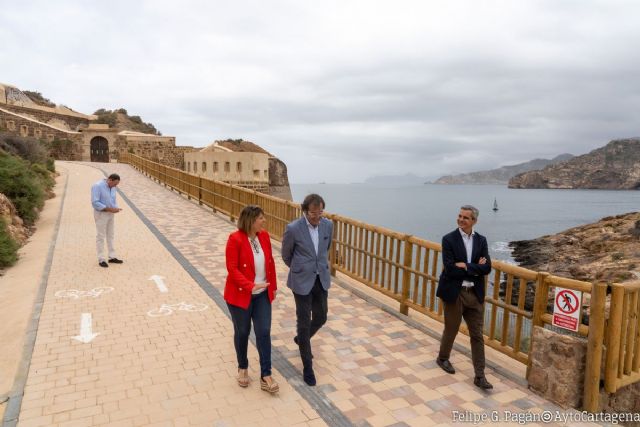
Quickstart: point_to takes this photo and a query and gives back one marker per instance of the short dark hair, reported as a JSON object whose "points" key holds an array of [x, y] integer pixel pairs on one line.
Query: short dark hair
{"points": [[248, 217], [312, 199], [114, 177], [474, 211]]}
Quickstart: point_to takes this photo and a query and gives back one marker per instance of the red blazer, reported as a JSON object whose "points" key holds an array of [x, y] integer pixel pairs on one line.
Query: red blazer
{"points": [[242, 270]]}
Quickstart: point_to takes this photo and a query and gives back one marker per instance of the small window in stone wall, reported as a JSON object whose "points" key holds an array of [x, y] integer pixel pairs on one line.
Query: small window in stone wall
{"points": [[195, 167], [256, 173], [227, 167], [266, 173], [188, 166], [50, 137], [215, 166], [11, 125], [239, 167], [24, 130], [204, 166], [37, 133]]}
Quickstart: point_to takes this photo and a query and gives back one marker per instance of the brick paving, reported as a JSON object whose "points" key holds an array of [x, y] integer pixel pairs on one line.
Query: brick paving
{"points": [[373, 369]]}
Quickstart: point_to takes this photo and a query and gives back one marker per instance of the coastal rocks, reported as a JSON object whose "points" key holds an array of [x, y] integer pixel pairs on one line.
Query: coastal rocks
{"points": [[15, 228], [615, 166], [606, 250], [557, 367]]}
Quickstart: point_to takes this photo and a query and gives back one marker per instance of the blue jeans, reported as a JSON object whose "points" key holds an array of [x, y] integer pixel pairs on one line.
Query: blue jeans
{"points": [[260, 312]]}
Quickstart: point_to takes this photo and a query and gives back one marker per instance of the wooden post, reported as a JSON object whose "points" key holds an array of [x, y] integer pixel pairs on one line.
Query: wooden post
{"points": [[613, 336], [591, 397], [406, 275], [539, 308], [200, 190], [333, 249]]}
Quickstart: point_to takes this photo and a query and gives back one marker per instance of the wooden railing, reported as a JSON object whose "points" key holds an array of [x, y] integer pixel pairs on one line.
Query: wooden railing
{"points": [[614, 338], [406, 269]]}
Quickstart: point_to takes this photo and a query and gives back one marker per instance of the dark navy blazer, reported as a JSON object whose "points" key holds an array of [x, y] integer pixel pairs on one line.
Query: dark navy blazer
{"points": [[451, 278]]}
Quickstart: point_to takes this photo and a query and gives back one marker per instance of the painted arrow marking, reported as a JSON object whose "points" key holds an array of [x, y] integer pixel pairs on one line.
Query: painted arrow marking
{"points": [[159, 283], [86, 335]]}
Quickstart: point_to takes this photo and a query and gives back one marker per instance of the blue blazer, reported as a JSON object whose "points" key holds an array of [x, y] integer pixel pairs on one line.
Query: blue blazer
{"points": [[300, 256], [451, 278]]}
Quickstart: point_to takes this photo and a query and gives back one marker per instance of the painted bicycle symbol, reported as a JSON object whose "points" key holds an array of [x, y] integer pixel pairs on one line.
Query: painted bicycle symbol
{"points": [[167, 309], [76, 293]]}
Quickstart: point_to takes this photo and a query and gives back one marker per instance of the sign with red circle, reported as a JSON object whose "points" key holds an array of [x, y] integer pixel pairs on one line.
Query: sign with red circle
{"points": [[566, 309]]}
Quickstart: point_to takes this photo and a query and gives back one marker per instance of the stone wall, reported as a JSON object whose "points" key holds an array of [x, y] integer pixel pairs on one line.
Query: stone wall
{"points": [[21, 126], [557, 367], [557, 373], [73, 121]]}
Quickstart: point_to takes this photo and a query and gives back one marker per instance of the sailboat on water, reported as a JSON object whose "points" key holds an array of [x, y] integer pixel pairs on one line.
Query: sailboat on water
{"points": [[495, 205]]}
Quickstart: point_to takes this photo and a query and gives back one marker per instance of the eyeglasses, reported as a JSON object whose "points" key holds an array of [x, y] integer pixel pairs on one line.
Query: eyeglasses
{"points": [[315, 214]]}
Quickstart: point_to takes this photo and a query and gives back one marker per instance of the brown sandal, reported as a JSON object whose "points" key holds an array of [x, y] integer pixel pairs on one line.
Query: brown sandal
{"points": [[269, 385], [243, 377]]}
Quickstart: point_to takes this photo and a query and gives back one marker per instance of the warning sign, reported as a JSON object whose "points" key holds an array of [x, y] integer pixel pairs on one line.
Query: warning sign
{"points": [[566, 309]]}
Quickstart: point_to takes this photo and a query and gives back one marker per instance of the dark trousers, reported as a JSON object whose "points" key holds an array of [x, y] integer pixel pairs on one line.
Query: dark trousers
{"points": [[311, 313], [467, 306], [260, 312]]}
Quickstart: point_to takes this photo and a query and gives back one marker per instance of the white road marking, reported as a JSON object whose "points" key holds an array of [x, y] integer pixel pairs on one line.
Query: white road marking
{"points": [[86, 334]]}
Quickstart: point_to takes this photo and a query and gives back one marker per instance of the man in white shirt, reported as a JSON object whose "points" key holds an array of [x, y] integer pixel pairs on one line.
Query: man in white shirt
{"points": [[466, 262]]}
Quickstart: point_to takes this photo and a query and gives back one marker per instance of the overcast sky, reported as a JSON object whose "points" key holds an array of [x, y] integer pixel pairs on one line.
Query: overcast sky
{"points": [[344, 90]]}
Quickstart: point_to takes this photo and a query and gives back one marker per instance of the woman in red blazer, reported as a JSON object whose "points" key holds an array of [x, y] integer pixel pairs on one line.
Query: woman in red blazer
{"points": [[249, 291]]}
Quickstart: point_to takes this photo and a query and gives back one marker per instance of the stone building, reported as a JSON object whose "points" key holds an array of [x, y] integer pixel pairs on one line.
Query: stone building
{"points": [[89, 141], [247, 169]]}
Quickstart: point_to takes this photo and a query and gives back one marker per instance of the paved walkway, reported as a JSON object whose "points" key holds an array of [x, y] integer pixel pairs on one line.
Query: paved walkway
{"points": [[179, 369]]}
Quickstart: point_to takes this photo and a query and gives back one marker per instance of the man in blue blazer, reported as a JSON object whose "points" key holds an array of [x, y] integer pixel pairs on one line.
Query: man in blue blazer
{"points": [[466, 262], [305, 250]]}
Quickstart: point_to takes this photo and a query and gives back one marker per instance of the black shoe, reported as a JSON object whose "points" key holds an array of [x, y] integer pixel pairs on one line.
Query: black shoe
{"points": [[103, 264], [115, 261], [482, 383], [309, 377], [446, 366]]}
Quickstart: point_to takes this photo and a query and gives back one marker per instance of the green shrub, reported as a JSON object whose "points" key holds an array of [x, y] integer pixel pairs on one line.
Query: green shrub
{"points": [[43, 175], [8, 247], [22, 185], [29, 149], [51, 165]]}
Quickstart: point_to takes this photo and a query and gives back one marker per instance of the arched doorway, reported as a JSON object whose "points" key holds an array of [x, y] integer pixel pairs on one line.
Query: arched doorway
{"points": [[99, 149]]}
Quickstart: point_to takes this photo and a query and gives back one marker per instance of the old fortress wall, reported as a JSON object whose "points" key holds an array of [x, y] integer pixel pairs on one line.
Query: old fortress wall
{"points": [[76, 136]]}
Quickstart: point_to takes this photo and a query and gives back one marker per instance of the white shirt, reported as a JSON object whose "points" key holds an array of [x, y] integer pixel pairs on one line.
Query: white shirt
{"points": [[258, 261], [467, 239], [313, 231]]}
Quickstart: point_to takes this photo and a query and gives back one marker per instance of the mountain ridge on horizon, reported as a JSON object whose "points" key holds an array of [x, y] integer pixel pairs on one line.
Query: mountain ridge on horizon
{"points": [[503, 174]]}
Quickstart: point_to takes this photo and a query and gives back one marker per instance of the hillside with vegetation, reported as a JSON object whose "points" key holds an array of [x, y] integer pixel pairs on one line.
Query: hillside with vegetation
{"points": [[26, 181], [121, 120]]}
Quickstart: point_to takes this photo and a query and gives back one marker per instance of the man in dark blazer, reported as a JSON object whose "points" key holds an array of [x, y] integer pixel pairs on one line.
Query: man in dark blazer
{"points": [[305, 250], [466, 262]]}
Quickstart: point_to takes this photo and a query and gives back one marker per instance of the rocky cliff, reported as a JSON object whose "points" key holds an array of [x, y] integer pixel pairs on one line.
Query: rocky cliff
{"points": [[501, 175], [615, 166], [606, 250]]}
